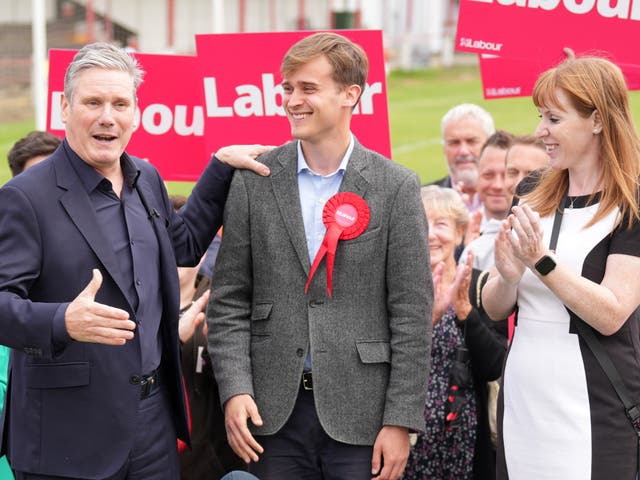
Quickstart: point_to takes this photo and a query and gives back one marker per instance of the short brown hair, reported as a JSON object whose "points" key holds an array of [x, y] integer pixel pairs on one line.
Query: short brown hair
{"points": [[529, 141], [177, 201], [499, 139], [348, 60], [35, 144]]}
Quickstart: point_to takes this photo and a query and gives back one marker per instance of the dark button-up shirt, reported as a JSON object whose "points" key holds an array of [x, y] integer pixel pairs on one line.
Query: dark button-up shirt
{"points": [[126, 225]]}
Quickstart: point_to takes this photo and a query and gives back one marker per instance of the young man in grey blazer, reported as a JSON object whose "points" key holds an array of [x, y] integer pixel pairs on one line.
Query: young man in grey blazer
{"points": [[320, 383]]}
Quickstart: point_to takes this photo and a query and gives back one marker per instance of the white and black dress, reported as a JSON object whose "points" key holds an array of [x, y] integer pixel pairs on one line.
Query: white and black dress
{"points": [[559, 416]]}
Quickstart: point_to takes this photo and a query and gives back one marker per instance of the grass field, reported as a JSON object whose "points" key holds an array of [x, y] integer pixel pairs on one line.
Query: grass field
{"points": [[417, 101]]}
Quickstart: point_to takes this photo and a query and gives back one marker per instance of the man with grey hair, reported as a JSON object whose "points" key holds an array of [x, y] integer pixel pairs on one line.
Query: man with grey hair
{"points": [[465, 128], [89, 288]]}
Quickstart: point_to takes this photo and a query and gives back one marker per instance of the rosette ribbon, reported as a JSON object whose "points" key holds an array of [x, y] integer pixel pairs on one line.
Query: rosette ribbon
{"points": [[346, 215]]}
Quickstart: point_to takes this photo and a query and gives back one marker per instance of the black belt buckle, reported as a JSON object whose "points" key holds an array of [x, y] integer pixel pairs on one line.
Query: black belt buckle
{"points": [[146, 385], [146, 382], [307, 381], [633, 414]]}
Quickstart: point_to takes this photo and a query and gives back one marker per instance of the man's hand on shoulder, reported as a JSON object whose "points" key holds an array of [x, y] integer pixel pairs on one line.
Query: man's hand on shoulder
{"points": [[236, 412], [244, 157], [390, 453], [89, 321]]}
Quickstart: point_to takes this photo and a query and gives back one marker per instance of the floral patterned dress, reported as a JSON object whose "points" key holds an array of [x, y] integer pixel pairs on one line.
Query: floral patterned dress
{"points": [[444, 453]]}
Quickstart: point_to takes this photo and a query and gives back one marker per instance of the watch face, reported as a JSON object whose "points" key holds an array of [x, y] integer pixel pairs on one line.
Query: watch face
{"points": [[545, 265]]}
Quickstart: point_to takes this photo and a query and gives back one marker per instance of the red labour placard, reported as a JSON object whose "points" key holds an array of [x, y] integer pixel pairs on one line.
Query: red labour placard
{"points": [[244, 101], [169, 117], [533, 28], [519, 39], [189, 106], [504, 77]]}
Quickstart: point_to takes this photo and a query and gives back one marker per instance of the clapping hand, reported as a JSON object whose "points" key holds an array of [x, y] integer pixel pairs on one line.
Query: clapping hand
{"points": [[192, 317], [509, 266], [473, 227], [455, 294], [460, 288], [527, 243]]}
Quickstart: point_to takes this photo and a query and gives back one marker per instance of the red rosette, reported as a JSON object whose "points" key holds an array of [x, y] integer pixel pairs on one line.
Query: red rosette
{"points": [[346, 215]]}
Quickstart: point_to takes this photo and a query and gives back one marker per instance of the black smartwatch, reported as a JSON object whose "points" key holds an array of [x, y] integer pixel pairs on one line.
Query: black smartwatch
{"points": [[545, 265]]}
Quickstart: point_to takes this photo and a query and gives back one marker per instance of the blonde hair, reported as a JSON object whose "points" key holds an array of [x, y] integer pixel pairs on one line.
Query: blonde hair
{"points": [[448, 202], [594, 84]]}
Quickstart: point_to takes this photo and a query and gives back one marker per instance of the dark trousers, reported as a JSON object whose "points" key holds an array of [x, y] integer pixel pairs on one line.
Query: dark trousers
{"points": [[302, 450], [154, 454]]}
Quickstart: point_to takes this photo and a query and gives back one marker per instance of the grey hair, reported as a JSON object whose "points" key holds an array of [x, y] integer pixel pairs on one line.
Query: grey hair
{"points": [[102, 55], [469, 110], [447, 201]]}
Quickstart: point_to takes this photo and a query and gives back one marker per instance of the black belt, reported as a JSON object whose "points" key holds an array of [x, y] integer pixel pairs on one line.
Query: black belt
{"points": [[307, 381], [148, 383]]}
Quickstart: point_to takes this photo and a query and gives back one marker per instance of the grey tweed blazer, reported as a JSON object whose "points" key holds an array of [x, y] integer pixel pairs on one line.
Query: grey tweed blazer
{"points": [[370, 343]]}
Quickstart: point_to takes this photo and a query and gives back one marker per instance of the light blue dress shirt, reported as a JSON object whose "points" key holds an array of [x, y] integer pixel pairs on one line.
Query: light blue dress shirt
{"points": [[315, 190]]}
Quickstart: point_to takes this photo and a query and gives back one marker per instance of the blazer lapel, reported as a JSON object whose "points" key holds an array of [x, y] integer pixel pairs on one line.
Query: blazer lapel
{"points": [[355, 175], [148, 200], [77, 204], [285, 187]]}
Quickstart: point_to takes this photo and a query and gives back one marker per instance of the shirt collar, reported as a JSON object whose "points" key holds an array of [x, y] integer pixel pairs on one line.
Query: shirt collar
{"points": [[91, 178], [303, 165], [490, 225]]}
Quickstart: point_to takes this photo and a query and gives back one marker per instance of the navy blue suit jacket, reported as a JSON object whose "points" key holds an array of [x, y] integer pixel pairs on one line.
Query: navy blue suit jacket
{"points": [[70, 408]]}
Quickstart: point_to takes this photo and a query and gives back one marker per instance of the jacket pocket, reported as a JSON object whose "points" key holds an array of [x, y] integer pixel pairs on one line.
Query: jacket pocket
{"points": [[374, 351], [260, 327], [261, 311], [366, 236], [58, 375]]}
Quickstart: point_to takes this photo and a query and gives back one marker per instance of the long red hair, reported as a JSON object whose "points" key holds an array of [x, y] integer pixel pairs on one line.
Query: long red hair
{"points": [[594, 84]]}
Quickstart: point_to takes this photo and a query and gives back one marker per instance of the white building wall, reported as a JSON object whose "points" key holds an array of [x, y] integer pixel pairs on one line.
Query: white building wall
{"points": [[411, 47], [19, 11]]}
